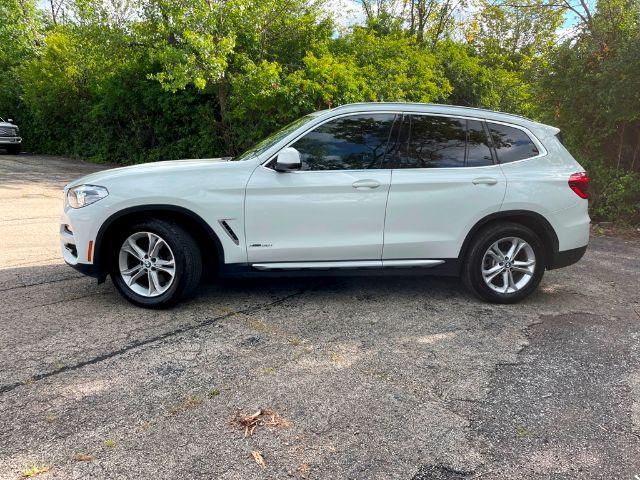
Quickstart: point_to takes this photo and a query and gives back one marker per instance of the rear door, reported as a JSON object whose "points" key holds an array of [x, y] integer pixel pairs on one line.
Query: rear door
{"points": [[444, 179]]}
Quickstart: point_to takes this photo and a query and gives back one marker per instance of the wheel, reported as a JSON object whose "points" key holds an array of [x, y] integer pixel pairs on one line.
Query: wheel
{"points": [[504, 264], [155, 264], [13, 149]]}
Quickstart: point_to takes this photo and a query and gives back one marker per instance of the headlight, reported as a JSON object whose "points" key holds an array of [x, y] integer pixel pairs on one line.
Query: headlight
{"points": [[83, 195]]}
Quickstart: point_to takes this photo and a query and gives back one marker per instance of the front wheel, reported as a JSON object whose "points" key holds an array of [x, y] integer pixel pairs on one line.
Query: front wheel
{"points": [[155, 264], [505, 263], [13, 149]]}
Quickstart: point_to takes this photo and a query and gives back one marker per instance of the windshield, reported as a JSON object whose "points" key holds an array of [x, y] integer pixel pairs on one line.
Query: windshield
{"points": [[274, 138]]}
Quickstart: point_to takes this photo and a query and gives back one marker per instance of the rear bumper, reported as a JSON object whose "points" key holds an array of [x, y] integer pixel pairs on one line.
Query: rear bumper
{"points": [[567, 257]]}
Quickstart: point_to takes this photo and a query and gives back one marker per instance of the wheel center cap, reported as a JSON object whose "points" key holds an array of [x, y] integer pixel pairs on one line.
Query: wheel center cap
{"points": [[147, 264], [507, 264]]}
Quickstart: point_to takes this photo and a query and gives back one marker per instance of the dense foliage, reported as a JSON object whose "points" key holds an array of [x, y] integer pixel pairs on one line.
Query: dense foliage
{"points": [[132, 81]]}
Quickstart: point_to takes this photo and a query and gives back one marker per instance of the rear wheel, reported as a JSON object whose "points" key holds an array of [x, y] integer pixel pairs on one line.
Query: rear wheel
{"points": [[505, 263], [155, 264]]}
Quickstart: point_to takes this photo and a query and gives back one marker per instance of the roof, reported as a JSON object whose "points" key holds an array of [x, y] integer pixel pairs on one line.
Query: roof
{"points": [[439, 108]]}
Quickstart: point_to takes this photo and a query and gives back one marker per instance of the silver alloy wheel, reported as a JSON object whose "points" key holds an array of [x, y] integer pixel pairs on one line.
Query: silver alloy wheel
{"points": [[508, 265], [147, 264]]}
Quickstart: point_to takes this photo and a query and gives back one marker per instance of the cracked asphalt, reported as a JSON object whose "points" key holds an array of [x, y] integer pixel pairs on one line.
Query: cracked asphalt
{"points": [[376, 377]]}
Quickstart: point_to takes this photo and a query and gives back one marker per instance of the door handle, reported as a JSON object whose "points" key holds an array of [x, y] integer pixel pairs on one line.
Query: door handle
{"points": [[484, 181], [366, 184]]}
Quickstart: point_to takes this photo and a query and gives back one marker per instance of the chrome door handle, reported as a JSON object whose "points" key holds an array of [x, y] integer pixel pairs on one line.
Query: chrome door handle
{"points": [[484, 181], [366, 184]]}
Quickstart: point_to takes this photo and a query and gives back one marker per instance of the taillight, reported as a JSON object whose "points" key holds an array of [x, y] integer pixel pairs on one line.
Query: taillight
{"points": [[579, 183]]}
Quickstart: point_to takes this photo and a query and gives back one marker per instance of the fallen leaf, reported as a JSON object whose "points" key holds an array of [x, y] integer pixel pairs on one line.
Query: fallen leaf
{"points": [[262, 418], [257, 456], [83, 457]]}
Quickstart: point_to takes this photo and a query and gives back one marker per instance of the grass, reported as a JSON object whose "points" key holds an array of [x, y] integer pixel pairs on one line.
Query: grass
{"points": [[109, 443], [34, 470], [189, 402]]}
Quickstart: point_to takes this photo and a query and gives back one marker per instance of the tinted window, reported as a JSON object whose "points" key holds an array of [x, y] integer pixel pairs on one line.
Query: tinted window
{"points": [[511, 143], [355, 142], [439, 142], [435, 142], [478, 151]]}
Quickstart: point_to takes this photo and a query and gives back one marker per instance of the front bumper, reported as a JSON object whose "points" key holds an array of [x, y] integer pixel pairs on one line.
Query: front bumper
{"points": [[89, 269], [10, 140], [77, 241]]}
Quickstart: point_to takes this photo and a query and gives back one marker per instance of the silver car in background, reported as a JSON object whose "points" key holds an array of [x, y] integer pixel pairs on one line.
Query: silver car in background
{"points": [[10, 136]]}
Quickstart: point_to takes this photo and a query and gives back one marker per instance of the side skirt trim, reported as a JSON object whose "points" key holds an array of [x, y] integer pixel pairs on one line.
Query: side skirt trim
{"points": [[347, 264]]}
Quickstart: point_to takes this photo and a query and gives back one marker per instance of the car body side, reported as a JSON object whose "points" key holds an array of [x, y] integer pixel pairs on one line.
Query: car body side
{"points": [[214, 193]]}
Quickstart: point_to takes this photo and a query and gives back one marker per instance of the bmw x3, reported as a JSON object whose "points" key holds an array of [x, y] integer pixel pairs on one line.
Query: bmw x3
{"points": [[390, 187]]}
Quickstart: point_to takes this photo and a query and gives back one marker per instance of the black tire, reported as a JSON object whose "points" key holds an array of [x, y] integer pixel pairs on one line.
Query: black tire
{"points": [[187, 256], [473, 264], [13, 149]]}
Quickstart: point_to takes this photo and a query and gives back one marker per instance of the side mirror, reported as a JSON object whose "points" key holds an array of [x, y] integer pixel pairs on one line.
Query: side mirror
{"points": [[288, 160], [10, 120]]}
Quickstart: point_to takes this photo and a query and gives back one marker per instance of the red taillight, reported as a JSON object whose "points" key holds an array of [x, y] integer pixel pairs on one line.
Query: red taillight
{"points": [[579, 183]]}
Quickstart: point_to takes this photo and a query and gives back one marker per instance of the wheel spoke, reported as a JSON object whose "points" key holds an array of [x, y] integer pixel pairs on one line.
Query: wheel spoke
{"points": [[153, 240], [492, 273], [132, 248], [518, 249], [505, 281], [494, 255], [512, 249], [131, 280], [154, 282], [512, 284], [521, 270], [132, 270], [528, 263], [497, 252]]}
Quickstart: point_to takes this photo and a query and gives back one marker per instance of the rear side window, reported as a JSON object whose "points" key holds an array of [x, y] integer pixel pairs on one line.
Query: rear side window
{"points": [[355, 142], [426, 141], [478, 151], [511, 144]]}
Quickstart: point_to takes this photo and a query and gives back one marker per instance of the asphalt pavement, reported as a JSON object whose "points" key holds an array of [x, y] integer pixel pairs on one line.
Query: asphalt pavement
{"points": [[347, 378]]}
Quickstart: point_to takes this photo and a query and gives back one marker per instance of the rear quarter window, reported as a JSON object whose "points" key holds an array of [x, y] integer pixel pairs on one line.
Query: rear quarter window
{"points": [[511, 144]]}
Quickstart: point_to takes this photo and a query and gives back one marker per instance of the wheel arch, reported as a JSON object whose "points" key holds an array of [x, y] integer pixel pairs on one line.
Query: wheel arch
{"points": [[202, 232], [528, 218]]}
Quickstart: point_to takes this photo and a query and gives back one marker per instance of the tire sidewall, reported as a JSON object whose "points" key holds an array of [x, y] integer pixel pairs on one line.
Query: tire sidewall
{"points": [[485, 240]]}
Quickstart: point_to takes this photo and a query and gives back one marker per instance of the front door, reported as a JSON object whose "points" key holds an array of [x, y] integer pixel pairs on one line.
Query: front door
{"points": [[333, 209]]}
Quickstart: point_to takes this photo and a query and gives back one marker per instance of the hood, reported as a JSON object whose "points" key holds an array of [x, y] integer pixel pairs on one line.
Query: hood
{"points": [[167, 167], [7, 124]]}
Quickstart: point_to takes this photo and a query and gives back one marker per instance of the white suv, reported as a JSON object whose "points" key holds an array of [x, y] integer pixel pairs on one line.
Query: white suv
{"points": [[394, 187]]}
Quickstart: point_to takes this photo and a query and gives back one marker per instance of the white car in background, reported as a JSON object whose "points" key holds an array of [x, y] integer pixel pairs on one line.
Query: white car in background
{"points": [[392, 187], [10, 136]]}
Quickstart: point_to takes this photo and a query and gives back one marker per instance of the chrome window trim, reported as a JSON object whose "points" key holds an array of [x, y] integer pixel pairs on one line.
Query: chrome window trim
{"points": [[541, 149]]}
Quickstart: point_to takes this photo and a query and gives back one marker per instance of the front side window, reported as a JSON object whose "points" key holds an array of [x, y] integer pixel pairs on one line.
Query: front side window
{"points": [[354, 142], [511, 144], [426, 141]]}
